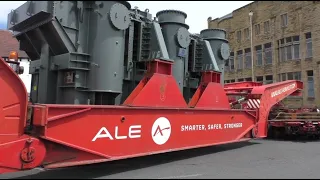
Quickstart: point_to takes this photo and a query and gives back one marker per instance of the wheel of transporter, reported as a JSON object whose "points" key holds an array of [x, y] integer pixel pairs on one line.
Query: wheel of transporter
{"points": [[275, 132], [254, 132], [270, 134], [278, 132]]}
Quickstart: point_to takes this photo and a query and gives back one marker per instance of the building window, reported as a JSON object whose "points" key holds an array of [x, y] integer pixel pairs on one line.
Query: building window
{"points": [[266, 26], [284, 20], [283, 77], [282, 50], [246, 33], [297, 76], [257, 28], [240, 59], [227, 81], [289, 48], [231, 61], [232, 80], [259, 55], [239, 36], [227, 33], [268, 53], [249, 79], [296, 47], [240, 80], [269, 79], [311, 93], [294, 76], [259, 79], [308, 45], [290, 76], [247, 58]]}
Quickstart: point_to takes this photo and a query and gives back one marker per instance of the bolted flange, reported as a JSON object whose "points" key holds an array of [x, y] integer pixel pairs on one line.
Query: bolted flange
{"points": [[28, 154]]}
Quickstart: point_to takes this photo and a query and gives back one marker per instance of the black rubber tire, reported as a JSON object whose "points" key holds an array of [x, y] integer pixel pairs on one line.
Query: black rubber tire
{"points": [[270, 134]]}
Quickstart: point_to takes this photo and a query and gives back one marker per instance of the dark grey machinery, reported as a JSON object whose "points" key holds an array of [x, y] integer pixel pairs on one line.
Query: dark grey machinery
{"points": [[177, 38], [220, 48], [95, 52]]}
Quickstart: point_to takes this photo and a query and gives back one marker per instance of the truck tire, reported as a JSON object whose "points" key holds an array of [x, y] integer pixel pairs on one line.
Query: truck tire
{"points": [[270, 134]]}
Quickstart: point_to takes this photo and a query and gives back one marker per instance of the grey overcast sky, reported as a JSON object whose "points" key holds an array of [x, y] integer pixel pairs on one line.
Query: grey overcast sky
{"points": [[197, 11]]}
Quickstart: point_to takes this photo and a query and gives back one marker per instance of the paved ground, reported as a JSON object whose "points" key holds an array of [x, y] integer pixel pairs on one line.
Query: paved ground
{"points": [[255, 159]]}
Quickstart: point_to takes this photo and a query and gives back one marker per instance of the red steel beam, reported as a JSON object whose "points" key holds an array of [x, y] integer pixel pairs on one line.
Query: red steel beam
{"points": [[242, 84]]}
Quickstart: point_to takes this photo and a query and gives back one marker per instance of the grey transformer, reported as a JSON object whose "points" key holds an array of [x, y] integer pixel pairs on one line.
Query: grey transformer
{"points": [[95, 52]]}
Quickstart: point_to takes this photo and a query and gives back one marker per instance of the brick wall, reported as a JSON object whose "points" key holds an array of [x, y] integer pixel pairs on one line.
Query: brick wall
{"points": [[302, 17]]}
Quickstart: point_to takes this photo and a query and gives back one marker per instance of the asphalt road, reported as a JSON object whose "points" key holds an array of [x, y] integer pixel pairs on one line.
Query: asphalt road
{"points": [[255, 159]]}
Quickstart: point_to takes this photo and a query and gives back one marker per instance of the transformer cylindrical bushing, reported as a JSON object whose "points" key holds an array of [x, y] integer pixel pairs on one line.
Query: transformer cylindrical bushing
{"points": [[218, 42], [177, 38], [108, 23], [171, 16], [213, 33], [219, 45]]}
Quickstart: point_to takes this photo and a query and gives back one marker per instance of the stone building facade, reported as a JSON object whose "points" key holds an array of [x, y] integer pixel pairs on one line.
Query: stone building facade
{"points": [[285, 39]]}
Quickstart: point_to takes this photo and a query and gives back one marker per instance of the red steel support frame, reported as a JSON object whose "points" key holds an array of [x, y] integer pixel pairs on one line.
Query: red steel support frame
{"points": [[269, 95], [154, 119]]}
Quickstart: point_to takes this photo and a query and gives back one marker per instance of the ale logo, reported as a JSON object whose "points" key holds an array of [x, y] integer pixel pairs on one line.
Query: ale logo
{"points": [[161, 131]]}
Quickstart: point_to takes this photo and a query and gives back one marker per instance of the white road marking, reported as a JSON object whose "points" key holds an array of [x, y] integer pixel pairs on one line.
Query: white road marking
{"points": [[39, 169], [180, 177]]}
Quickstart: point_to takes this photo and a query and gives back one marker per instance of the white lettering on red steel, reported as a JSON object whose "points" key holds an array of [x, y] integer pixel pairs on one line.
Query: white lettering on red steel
{"points": [[161, 131], [133, 132], [283, 90], [206, 127]]}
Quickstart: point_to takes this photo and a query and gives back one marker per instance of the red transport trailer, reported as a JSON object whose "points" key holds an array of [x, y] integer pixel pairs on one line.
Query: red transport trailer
{"points": [[110, 82], [154, 119], [282, 121], [289, 123]]}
